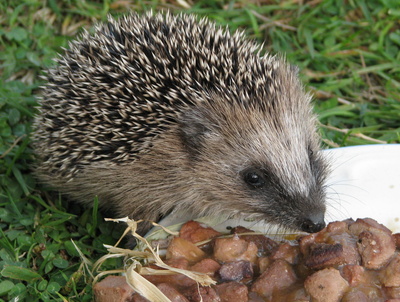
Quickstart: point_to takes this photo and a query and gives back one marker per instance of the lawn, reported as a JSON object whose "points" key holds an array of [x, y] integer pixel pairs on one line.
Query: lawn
{"points": [[348, 53]]}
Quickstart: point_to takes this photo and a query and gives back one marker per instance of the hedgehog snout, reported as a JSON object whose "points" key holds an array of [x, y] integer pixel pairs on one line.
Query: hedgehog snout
{"points": [[313, 223]]}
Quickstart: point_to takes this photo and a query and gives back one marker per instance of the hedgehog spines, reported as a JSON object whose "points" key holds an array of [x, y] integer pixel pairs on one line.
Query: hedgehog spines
{"points": [[130, 81]]}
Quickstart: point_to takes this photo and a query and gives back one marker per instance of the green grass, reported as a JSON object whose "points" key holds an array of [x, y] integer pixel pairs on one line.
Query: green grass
{"points": [[349, 54]]}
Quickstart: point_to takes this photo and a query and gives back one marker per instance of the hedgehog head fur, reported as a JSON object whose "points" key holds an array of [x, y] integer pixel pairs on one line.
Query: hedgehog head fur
{"points": [[160, 113]]}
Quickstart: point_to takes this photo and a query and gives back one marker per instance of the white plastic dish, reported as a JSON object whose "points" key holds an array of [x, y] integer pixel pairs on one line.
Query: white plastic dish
{"points": [[365, 182]]}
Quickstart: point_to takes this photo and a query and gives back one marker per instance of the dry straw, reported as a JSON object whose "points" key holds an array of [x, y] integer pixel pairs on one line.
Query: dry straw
{"points": [[134, 260]]}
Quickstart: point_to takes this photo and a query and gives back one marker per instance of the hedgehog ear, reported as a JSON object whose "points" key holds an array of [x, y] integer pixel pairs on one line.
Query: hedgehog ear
{"points": [[193, 130]]}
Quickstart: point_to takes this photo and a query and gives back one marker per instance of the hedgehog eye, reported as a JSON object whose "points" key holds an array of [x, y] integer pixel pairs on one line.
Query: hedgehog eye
{"points": [[254, 178]]}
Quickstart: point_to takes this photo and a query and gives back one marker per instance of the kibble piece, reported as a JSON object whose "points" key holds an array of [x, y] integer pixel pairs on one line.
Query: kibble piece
{"points": [[232, 292], [171, 293], [113, 288], [278, 275], [390, 276], [233, 249], [198, 293], [236, 270], [181, 248], [326, 285], [194, 231], [207, 266], [376, 243]]}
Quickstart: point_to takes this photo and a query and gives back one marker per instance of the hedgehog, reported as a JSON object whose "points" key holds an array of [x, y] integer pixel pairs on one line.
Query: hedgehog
{"points": [[158, 113]]}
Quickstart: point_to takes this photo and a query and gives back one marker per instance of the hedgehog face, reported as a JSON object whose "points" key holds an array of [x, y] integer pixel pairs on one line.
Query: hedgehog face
{"points": [[264, 164]]}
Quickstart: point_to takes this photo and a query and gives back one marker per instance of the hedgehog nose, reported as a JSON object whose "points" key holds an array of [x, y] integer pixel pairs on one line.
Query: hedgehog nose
{"points": [[312, 224]]}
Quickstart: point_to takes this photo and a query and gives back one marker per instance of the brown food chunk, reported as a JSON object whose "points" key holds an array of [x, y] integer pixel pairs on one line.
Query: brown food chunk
{"points": [[396, 238], [197, 293], [194, 232], [286, 251], [181, 248], [355, 295], [254, 297], [137, 298], [305, 243], [355, 274], [392, 292], [113, 288], [323, 255], [181, 263], [297, 294], [234, 249], [263, 263], [366, 224], [375, 245], [350, 253], [171, 293], [207, 266], [390, 275], [264, 244], [326, 285], [323, 236], [332, 246], [232, 292], [278, 276], [236, 270], [372, 291]]}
